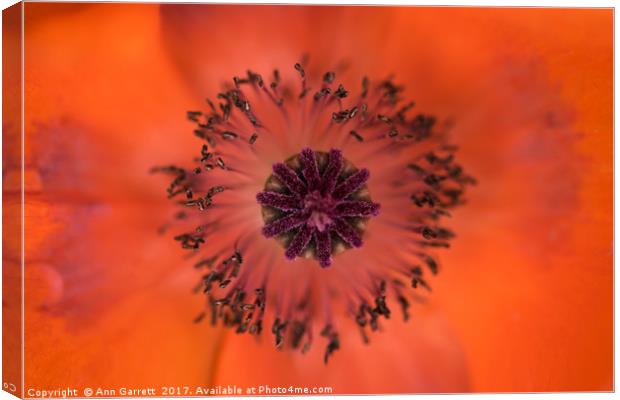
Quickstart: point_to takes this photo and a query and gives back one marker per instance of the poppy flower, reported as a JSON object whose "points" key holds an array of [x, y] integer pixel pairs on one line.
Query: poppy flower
{"points": [[316, 203], [523, 298]]}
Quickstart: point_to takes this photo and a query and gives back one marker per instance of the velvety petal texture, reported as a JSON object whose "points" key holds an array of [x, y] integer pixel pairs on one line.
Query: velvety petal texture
{"points": [[523, 300]]}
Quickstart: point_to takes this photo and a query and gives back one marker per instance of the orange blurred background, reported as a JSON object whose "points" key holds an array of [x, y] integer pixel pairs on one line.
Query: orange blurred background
{"points": [[524, 301]]}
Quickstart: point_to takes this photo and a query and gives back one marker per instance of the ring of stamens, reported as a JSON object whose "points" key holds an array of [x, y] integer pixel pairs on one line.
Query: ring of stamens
{"points": [[246, 287]]}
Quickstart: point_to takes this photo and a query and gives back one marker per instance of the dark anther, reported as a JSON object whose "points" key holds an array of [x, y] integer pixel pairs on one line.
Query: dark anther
{"points": [[444, 245], [241, 328], [178, 184], [276, 79], [398, 283], [213, 308], [255, 78], [381, 306], [365, 84], [344, 115], [360, 319], [404, 304], [453, 194], [204, 152], [200, 317], [363, 110], [193, 115], [416, 278], [253, 138], [400, 115], [428, 233], [321, 93], [229, 135], [238, 298], [436, 214], [169, 169], [211, 106], [225, 110], [220, 163], [278, 329], [201, 203], [302, 74], [257, 328], [433, 180], [365, 339], [189, 240], [300, 69], [305, 348], [236, 257], [332, 345], [204, 136], [209, 279], [390, 91], [341, 93], [383, 118], [357, 136], [205, 202], [221, 302], [432, 265], [443, 233], [238, 81], [340, 116], [422, 125], [298, 331], [373, 320], [329, 77], [206, 262], [215, 190], [416, 168], [455, 171], [432, 158], [425, 197], [252, 119]]}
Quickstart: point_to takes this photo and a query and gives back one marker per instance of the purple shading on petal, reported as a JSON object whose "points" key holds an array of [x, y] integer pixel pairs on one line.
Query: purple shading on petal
{"points": [[332, 171], [323, 247], [351, 184], [299, 243], [309, 169], [356, 209], [347, 233], [289, 178], [277, 200], [285, 224]]}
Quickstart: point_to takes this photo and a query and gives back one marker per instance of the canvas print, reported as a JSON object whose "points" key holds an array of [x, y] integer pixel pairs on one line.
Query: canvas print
{"points": [[247, 200]]}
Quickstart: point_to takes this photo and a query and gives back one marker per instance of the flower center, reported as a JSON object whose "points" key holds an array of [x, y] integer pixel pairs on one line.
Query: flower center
{"points": [[320, 208], [316, 205]]}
